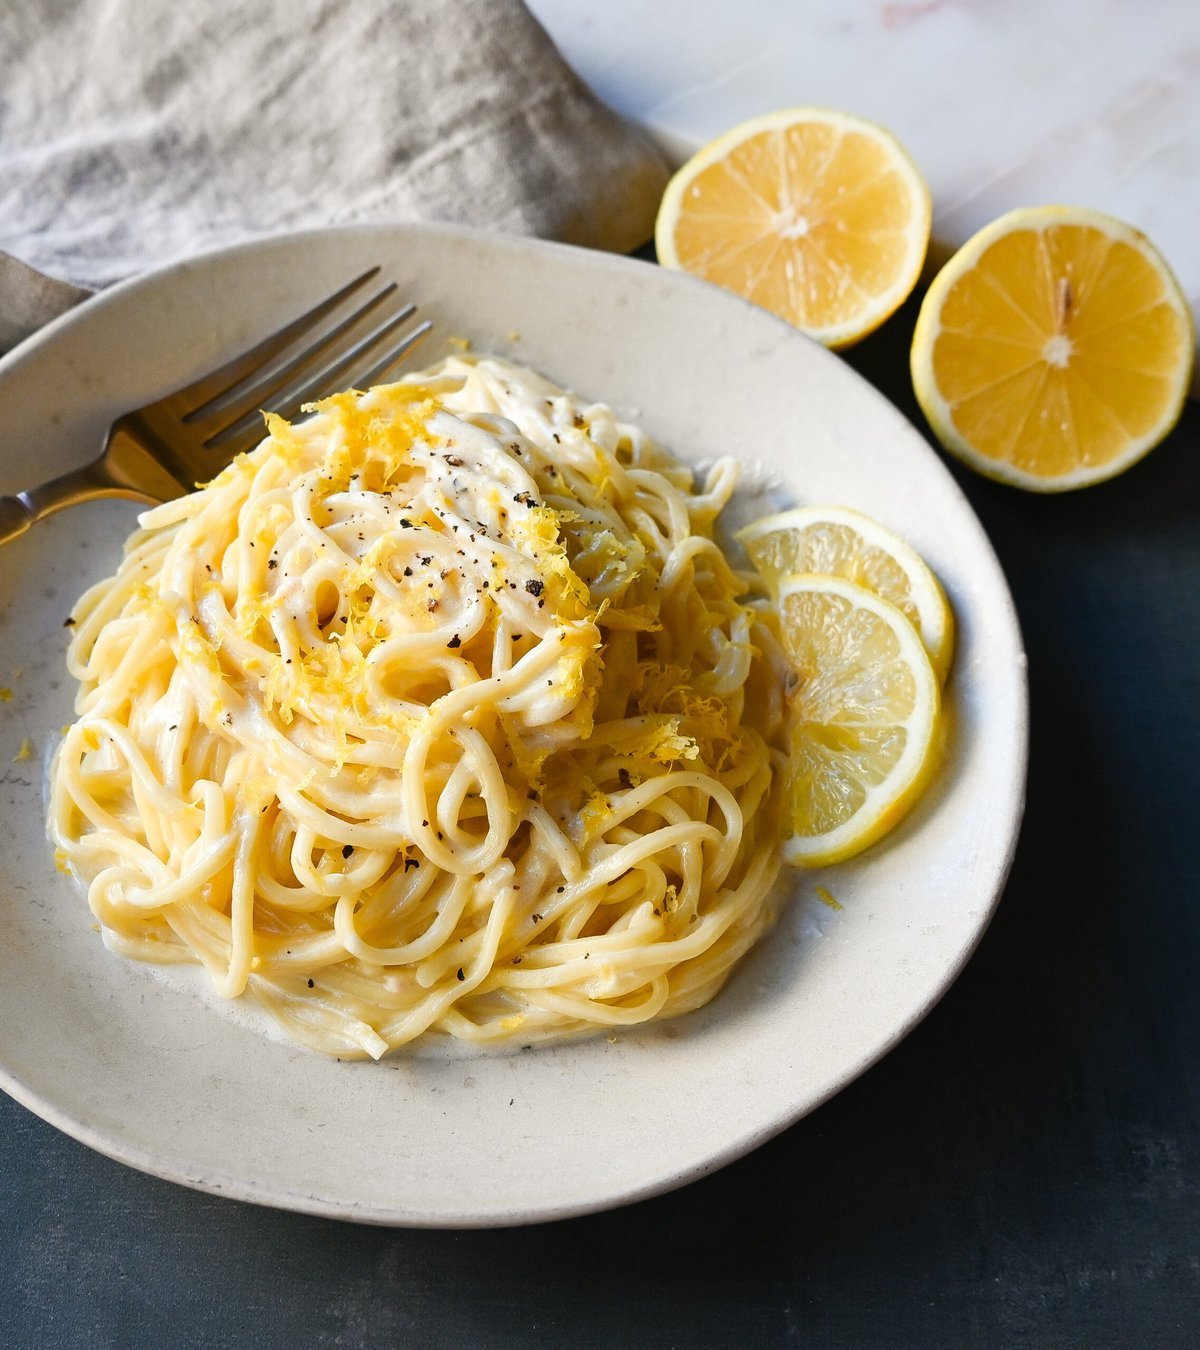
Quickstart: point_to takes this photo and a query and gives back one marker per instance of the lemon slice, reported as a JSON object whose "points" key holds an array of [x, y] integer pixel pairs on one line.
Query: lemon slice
{"points": [[1054, 349], [863, 717], [820, 217], [838, 542]]}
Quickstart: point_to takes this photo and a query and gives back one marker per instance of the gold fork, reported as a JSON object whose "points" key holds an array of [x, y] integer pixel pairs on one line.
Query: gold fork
{"points": [[162, 450]]}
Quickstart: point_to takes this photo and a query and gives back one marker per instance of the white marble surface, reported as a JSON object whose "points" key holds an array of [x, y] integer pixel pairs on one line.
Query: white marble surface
{"points": [[1002, 103]]}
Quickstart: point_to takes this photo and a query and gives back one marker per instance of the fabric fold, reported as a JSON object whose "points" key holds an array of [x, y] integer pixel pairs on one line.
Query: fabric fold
{"points": [[134, 132]]}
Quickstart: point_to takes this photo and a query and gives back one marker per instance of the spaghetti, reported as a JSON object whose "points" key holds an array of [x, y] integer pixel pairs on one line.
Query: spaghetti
{"points": [[440, 712]]}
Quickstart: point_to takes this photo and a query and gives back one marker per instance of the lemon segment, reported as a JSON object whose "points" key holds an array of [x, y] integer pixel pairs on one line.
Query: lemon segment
{"points": [[839, 542], [818, 216], [1054, 349], [863, 717]]}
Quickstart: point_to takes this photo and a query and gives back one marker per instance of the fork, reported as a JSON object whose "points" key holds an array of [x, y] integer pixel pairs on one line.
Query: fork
{"points": [[162, 450]]}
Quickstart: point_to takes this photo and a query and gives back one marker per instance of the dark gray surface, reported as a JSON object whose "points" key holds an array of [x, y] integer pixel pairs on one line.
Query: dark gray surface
{"points": [[1023, 1171]]}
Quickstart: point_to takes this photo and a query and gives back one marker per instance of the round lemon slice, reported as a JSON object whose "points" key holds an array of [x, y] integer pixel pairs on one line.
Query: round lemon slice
{"points": [[864, 717], [838, 542], [818, 216], [1054, 349]]}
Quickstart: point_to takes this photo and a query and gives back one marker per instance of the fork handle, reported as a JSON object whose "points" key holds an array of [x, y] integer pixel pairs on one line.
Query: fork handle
{"points": [[19, 512], [15, 518]]}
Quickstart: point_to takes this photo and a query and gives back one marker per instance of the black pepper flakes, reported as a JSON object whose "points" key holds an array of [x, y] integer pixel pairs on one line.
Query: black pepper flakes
{"points": [[272, 563], [408, 571], [312, 984], [535, 587], [411, 862], [461, 976], [455, 641], [68, 622], [347, 850]]}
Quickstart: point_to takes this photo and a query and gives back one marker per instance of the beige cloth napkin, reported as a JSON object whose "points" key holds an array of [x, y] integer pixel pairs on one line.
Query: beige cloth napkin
{"points": [[137, 131]]}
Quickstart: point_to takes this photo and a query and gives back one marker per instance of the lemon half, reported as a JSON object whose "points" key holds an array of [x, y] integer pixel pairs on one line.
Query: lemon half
{"points": [[818, 216], [1054, 349]]}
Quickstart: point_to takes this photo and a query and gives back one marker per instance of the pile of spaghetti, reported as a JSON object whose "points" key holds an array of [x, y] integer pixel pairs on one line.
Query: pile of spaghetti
{"points": [[440, 712]]}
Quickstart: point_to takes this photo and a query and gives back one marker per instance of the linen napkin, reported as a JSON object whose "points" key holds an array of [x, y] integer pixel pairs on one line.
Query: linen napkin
{"points": [[137, 131]]}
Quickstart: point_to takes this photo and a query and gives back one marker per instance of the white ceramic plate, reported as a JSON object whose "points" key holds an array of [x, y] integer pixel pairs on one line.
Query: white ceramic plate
{"points": [[159, 1078]]}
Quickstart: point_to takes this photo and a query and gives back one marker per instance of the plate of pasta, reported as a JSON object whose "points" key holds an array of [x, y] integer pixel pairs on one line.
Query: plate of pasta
{"points": [[399, 815]]}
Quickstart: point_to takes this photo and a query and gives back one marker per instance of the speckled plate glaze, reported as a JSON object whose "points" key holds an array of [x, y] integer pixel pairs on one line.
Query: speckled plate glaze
{"points": [[159, 1077]]}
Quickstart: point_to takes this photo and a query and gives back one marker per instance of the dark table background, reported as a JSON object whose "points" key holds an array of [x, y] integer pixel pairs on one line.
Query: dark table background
{"points": [[1024, 1170]]}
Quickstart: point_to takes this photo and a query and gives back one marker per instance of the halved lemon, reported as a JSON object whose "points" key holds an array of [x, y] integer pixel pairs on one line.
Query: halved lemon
{"points": [[818, 216], [1054, 349], [838, 542], [864, 717]]}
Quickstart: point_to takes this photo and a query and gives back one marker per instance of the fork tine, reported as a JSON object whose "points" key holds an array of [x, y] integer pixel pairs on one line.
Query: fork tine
{"points": [[226, 411], [370, 377], [321, 381], [222, 380]]}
